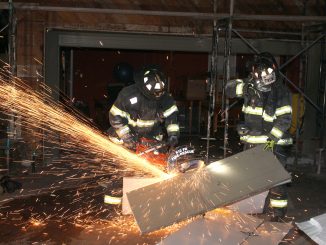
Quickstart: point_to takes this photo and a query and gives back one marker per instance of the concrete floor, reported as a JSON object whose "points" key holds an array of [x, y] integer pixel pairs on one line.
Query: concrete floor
{"points": [[78, 215]]}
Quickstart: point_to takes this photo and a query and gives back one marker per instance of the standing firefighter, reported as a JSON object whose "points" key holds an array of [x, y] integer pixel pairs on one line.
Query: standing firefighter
{"points": [[267, 117], [145, 110]]}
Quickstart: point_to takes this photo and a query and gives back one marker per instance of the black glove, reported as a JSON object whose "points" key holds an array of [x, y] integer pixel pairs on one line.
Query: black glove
{"points": [[242, 129], [172, 140], [248, 89], [130, 141]]}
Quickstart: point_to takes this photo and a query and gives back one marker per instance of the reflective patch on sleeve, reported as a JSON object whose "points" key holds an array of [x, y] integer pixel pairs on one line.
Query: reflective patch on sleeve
{"points": [[276, 132], [115, 111], [239, 88], [172, 128], [261, 139], [169, 111], [252, 111], [268, 118], [275, 203], [288, 141], [283, 110]]}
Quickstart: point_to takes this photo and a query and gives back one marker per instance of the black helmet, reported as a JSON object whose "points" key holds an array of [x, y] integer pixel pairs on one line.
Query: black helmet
{"points": [[152, 82], [264, 71]]}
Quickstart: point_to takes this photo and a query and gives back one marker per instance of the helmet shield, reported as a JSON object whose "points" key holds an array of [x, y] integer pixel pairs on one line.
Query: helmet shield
{"points": [[152, 83]]}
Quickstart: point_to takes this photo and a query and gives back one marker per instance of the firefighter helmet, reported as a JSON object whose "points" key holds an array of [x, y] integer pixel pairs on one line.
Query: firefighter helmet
{"points": [[264, 71], [152, 82]]}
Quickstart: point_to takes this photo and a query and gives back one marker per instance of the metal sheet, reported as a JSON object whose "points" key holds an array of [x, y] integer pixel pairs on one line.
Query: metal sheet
{"points": [[193, 193], [227, 227], [315, 228], [251, 205], [134, 183]]}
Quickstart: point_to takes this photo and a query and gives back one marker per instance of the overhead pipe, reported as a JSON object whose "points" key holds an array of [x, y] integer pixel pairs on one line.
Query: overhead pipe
{"points": [[196, 15]]}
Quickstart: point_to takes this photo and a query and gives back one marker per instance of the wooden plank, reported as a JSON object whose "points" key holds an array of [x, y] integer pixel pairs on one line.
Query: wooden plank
{"points": [[218, 184]]}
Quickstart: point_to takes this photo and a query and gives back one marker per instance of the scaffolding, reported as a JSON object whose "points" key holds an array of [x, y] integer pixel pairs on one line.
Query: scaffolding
{"points": [[320, 106], [216, 18]]}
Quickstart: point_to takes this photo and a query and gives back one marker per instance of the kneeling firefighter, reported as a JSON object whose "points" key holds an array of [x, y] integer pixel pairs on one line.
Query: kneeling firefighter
{"points": [[145, 110], [267, 114]]}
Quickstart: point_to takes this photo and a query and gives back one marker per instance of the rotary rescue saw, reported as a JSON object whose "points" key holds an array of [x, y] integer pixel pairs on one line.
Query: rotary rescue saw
{"points": [[173, 160]]}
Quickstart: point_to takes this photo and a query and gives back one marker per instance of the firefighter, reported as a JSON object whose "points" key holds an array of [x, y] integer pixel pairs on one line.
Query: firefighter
{"points": [[145, 110], [267, 115]]}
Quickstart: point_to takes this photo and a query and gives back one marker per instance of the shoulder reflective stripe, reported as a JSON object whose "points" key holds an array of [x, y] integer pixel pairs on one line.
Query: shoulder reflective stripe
{"points": [[172, 128], [169, 111], [122, 131], [283, 110], [254, 139], [115, 111], [276, 132], [268, 118], [288, 141], [275, 203], [252, 111], [239, 88]]}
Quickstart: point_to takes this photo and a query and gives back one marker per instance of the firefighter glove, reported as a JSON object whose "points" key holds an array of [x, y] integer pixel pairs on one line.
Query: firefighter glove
{"points": [[248, 89], [130, 141], [242, 129], [269, 146], [173, 140]]}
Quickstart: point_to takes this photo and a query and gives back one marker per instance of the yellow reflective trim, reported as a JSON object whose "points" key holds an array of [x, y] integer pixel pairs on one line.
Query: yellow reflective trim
{"points": [[159, 137], [239, 88], [276, 132], [288, 141], [132, 122], [283, 110], [252, 111], [275, 203], [145, 123], [268, 118], [169, 111], [254, 139], [172, 128], [112, 200], [115, 111]]}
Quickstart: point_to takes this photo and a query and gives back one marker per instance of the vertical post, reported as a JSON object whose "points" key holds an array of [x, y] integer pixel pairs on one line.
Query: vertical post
{"points": [[302, 74], [7, 151], [12, 39], [13, 70], [227, 54], [212, 82], [33, 162], [323, 87]]}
